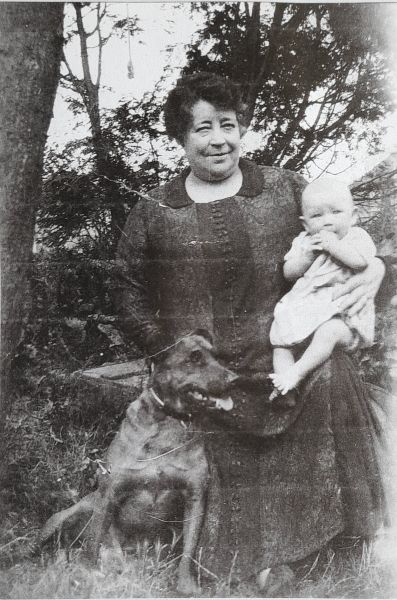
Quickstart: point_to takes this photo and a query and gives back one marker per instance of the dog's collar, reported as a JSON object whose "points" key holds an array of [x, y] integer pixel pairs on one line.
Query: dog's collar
{"points": [[161, 403], [156, 397]]}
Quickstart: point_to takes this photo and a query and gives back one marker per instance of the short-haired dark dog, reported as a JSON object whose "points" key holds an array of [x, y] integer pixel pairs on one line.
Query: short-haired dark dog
{"points": [[156, 463]]}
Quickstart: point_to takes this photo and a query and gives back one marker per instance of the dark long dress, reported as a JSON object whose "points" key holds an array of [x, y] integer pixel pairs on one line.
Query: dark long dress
{"points": [[284, 481]]}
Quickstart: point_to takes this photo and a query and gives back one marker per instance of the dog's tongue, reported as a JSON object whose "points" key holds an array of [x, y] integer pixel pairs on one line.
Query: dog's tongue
{"points": [[224, 403]]}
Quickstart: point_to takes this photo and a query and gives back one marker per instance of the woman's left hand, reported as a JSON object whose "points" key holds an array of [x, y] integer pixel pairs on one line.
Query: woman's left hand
{"points": [[361, 287]]}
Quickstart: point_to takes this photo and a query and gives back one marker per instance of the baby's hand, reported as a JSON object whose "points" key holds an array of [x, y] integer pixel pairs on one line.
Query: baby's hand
{"points": [[325, 239], [314, 244]]}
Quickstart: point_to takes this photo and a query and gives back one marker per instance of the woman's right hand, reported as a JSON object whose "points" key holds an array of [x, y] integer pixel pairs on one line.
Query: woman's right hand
{"points": [[353, 295]]}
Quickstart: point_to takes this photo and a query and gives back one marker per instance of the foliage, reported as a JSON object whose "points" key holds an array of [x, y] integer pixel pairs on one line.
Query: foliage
{"points": [[93, 20], [78, 200], [71, 323], [375, 195], [313, 75], [76, 239]]}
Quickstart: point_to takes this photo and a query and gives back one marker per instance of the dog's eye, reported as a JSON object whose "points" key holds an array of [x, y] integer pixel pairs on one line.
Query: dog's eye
{"points": [[196, 356]]}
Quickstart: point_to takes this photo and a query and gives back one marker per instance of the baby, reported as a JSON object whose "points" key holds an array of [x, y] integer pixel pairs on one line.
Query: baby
{"points": [[327, 253]]}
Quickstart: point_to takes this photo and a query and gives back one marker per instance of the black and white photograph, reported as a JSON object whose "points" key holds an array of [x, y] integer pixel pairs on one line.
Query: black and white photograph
{"points": [[183, 186]]}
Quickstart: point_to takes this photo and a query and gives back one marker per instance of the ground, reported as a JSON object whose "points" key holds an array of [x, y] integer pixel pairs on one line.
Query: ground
{"points": [[151, 572]]}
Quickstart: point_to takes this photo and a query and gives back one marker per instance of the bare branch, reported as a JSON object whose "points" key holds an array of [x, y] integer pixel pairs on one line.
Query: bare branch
{"points": [[294, 125], [330, 162], [368, 182], [267, 59], [83, 44], [65, 60], [100, 49], [100, 15]]}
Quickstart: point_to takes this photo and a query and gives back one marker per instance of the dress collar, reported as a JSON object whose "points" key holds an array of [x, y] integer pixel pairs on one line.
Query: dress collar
{"points": [[175, 194]]}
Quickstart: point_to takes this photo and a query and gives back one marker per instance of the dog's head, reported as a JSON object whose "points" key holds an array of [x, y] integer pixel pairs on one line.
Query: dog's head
{"points": [[188, 377]]}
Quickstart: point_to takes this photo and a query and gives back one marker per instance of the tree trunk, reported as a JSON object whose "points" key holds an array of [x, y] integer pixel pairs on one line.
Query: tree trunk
{"points": [[30, 52]]}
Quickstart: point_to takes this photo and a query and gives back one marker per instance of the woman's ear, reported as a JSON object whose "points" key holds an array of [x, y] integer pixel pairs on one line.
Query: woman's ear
{"points": [[355, 216]]}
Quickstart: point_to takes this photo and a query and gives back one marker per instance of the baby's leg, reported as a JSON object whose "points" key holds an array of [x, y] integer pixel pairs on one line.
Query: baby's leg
{"points": [[330, 334], [283, 360]]}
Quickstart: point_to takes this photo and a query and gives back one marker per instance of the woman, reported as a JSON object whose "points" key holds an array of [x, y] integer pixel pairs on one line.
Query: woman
{"points": [[206, 252]]}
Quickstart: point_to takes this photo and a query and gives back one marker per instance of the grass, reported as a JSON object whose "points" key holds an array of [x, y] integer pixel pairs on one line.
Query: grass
{"points": [[150, 571]]}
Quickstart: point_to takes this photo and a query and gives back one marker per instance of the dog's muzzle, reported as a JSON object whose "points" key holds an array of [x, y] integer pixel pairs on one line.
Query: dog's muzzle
{"points": [[196, 399]]}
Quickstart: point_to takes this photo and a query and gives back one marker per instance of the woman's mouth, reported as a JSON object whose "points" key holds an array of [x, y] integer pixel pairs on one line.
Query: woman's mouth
{"points": [[219, 157]]}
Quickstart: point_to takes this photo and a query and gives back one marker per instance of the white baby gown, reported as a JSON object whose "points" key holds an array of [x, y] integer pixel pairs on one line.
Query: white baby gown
{"points": [[309, 303]]}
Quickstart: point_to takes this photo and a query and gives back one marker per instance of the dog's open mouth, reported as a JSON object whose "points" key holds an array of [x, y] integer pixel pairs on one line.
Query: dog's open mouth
{"points": [[198, 398]]}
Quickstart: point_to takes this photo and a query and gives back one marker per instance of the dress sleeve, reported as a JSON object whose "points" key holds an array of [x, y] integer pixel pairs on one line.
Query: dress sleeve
{"points": [[132, 288]]}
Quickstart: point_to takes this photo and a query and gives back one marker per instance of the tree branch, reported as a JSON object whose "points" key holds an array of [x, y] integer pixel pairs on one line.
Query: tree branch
{"points": [[253, 39], [269, 56], [100, 49], [83, 45]]}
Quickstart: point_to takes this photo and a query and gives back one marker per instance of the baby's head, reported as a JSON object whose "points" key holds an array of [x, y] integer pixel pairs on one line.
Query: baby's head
{"points": [[327, 204]]}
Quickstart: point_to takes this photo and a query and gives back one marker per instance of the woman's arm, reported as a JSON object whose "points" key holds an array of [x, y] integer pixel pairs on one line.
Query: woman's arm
{"points": [[133, 291], [361, 287]]}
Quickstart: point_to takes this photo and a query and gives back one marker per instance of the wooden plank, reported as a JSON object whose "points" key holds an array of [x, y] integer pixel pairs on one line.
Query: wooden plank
{"points": [[117, 371]]}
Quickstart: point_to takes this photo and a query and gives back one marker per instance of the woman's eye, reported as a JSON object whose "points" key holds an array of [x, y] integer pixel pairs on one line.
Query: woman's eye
{"points": [[196, 356]]}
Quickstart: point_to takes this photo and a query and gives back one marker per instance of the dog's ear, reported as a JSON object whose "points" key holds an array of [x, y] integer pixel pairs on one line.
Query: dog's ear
{"points": [[204, 333]]}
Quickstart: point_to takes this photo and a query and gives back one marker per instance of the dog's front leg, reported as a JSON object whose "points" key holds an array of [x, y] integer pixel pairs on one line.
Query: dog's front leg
{"points": [[192, 522], [114, 489], [101, 518]]}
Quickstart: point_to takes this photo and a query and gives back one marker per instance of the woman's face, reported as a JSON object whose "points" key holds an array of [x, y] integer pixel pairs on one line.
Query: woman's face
{"points": [[212, 142]]}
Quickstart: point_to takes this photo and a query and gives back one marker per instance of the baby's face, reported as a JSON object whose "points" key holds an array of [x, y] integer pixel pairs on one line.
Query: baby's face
{"points": [[327, 210]]}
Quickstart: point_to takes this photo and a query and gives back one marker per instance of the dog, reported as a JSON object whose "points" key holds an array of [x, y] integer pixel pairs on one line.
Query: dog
{"points": [[156, 471]]}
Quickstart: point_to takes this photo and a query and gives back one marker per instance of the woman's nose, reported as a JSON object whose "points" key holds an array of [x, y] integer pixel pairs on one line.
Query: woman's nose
{"points": [[217, 137]]}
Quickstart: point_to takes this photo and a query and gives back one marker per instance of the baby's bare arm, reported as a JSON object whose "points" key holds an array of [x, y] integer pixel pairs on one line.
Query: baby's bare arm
{"points": [[298, 264]]}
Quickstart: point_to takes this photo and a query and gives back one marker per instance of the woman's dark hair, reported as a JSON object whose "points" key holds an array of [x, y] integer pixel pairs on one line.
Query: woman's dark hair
{"points": [[215, 89]]}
